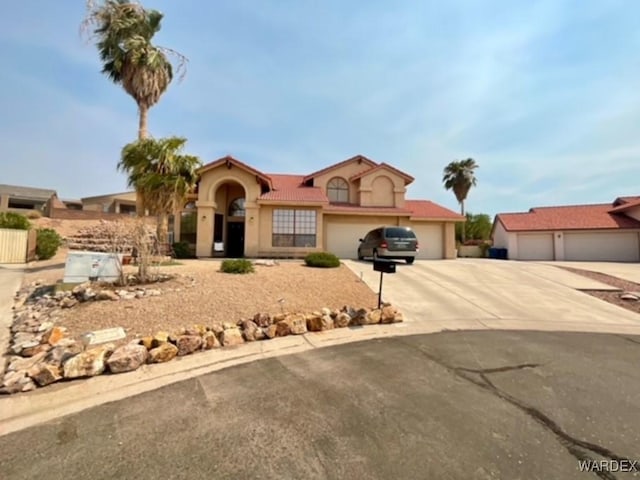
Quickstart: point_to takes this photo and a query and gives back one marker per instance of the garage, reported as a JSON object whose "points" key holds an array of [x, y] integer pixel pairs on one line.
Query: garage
{"points": [[431, 240], [602, 246], [537, 246], [343, 238]]}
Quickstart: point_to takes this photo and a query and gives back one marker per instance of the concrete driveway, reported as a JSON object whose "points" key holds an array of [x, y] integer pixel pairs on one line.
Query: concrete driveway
{"points": [[625, 271], [480, 293], [454, 405]]}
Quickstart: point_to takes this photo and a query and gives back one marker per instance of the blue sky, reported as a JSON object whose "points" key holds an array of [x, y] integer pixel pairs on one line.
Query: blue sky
{"points": [[544, 95]]}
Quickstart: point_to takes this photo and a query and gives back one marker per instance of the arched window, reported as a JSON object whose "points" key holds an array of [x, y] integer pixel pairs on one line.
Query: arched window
{"points": [[338, 190], [236, 208]]}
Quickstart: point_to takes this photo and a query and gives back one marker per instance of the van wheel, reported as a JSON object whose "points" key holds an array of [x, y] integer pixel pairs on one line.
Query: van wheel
{"points": [[409, 260]]}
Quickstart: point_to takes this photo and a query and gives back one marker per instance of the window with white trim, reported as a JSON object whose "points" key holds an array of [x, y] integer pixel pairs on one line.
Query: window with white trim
{"points": [[294, 228], [338, 190]]}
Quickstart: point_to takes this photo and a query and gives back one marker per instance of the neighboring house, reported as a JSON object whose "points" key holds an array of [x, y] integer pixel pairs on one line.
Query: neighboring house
{"points": [[601, 232], [241, 211], [124, 202], [17, 198]]}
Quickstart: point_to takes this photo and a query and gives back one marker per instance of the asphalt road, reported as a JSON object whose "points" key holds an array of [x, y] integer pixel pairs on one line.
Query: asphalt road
{"points": [[452, 405]]}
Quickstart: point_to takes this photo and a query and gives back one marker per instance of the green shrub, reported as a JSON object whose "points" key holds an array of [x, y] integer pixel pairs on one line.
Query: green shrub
{"points": [[14, 220], [322, 260], [47, 243], [237, 266], [182, 250]]}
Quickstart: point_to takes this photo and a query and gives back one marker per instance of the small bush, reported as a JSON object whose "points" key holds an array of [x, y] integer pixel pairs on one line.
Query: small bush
{"points": [[47, 243], [14, 220], [322, 260], [182, 250], [33, 214], [237, 266]]}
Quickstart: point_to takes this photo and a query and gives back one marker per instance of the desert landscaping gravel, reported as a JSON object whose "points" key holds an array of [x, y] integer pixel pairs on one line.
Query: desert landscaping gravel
{"points": [[202, 294]]}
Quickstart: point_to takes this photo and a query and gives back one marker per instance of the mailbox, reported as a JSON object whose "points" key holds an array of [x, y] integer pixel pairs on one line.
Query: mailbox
{"points": [[384, 266]]}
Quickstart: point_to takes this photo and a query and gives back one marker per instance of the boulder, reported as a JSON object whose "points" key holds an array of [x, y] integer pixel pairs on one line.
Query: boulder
{"points": [[188, 344], [325, 311], [79, 290], [359, 317], [342, 320], [210, 340], [12, 382], [278, 317], [160, 338], [282, 329], [390, 314], [31, 351], [162, 353], [231, 336], [61, 353], [20, 363], [318, 323], [127, 358], [44, 326], [297, 323], [53, 336], [270, 331], [68, 302], [89, 363], [228, 325], [17, 348], [45, 374], [262, 319], [146, 342], [251, 331], [107, 295], [217, 328], [371, 318]]}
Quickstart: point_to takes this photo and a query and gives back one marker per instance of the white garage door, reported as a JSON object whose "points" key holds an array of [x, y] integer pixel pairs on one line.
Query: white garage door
{"points": [[431, 240], [342, 238], [537, 246], [602, 247]]}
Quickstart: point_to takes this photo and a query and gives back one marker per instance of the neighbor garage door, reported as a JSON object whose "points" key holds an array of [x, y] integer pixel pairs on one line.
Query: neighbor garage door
{"points": [[431, 240], [602, 247], [342, 238], [537, 246]]}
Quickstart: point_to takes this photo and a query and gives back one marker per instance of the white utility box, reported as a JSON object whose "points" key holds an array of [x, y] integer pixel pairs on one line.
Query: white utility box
{"points": [[95, 266]]}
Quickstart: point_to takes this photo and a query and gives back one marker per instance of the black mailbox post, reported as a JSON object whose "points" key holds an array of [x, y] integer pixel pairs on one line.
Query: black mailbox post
{"points": [[383, 266]]}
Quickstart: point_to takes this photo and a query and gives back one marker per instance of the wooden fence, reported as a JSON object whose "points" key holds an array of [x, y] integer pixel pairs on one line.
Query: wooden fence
{"points": [[17, 246]]}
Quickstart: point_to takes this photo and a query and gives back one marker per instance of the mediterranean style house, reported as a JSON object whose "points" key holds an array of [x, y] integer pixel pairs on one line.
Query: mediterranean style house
{"points": [[240, 211]]}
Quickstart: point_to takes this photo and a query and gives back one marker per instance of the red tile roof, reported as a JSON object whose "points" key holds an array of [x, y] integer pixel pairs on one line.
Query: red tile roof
{"points": [[384, 166], [289, 188], [428, 209], [360, 158], [626, 205], [571, 217], [229, 160], [345, 208]]}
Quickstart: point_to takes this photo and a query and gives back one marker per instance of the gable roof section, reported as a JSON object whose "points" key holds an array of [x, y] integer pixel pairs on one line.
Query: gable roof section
{"points": [[290, 188], [570, 217], [384, 166], [626, 205], [622, 200], [358, 158], [26, 193], [230, 161], [428, 209]]}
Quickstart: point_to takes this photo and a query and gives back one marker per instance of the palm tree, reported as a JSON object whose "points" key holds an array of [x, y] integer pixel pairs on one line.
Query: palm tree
{"points": [[459, 176], [162, 174], [123, 31]]}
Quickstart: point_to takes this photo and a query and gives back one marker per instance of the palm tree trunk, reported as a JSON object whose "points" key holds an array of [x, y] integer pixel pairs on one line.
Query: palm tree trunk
{"points": [[143, 133], [163, 228], [464, 236]]}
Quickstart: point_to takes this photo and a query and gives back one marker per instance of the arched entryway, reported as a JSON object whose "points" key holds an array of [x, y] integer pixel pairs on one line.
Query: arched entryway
{"points": [[229, 221]]}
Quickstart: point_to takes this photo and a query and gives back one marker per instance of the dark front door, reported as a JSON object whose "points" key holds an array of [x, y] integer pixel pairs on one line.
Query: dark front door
{"points": [[235, 239]]}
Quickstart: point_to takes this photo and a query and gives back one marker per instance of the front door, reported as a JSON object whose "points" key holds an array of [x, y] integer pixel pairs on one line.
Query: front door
{"points": [[235, 239]]}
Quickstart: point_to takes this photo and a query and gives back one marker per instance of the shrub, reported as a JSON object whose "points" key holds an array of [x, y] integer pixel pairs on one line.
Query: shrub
{"points": [[47, 243], [322, 260], [14, 220], [33, 214], [237, 266], [182, 250]]}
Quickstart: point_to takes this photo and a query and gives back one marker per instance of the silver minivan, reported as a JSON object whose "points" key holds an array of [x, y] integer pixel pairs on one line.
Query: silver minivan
{"points": [[389, 242]]}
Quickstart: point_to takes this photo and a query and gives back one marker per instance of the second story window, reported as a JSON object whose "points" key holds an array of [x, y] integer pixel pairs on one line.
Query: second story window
{"points": [[338, 190]]}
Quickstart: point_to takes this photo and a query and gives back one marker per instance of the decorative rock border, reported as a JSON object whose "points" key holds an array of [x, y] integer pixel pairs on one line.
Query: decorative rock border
{"points": [[41, 352]]}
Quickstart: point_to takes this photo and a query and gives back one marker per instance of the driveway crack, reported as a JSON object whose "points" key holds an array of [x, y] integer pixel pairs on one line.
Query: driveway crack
{"points": [[578, 448]]}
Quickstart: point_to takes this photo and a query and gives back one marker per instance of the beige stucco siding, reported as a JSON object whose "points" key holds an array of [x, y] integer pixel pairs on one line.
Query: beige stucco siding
{"points": [[346, 172], [602, 246], [342, 232], [382, 188], [431, 238], [265, 230]]}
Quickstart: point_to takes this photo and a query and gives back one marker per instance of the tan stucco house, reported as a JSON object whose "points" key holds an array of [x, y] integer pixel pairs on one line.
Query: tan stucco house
{"points": [[241, 211], [599, 232], [124, 202]]}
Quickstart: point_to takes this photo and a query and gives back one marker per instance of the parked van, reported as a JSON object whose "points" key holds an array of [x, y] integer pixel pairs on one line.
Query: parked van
{"points": [[398, 243]]}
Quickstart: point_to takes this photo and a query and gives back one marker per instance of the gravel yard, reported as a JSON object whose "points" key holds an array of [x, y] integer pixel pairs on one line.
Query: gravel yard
{"points": [[214, 296], [611, 297]]}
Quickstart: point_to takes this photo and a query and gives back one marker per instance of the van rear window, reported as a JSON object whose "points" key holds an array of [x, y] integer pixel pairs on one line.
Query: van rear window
{"points": [[399, 233]]}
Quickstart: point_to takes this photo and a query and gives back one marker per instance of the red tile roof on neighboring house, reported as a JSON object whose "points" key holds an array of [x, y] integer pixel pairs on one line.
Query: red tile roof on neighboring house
{"points": [[361, 158], [570, 217], [384, 166], [428, 209]]}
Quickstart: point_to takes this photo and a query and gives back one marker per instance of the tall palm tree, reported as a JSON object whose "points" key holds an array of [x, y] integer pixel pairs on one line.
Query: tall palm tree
{"points": [[164, 176], [123, 31], [459, 176]]}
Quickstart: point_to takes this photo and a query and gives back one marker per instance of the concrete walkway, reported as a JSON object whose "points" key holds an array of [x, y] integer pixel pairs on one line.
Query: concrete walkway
{"points": [[10, 280], [625, 271]]}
